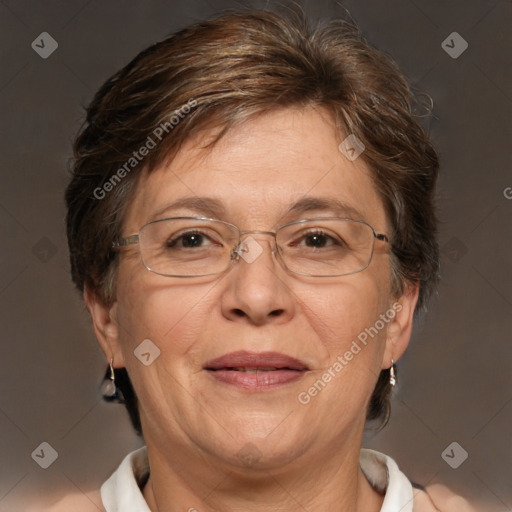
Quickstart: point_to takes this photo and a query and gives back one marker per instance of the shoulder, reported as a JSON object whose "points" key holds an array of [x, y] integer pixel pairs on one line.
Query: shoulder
{"points": [[423, 502], [439, 498], [385, 476], [90, 502]]}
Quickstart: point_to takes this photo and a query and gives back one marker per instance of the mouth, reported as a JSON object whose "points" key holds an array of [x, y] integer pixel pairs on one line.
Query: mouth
{"points": [[255, 371]]}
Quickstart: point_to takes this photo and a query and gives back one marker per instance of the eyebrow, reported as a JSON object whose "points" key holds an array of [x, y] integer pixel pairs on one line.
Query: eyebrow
{"points": [[214, 208], [203, 205], [337, 206]]}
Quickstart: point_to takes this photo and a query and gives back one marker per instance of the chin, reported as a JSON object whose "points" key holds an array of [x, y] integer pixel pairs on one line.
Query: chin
{"points": [[258, 442]]}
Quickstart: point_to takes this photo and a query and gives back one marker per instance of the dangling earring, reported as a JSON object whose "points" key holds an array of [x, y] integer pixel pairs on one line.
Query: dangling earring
{"points": [[109, 388], [392, 375]]}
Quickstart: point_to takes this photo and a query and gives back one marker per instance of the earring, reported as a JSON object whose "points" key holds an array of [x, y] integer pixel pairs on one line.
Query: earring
{"points": [[109, 388], [392, 374]]}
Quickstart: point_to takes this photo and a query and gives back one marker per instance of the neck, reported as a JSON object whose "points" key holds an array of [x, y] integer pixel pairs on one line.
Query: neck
{"points": [[333, 481]]}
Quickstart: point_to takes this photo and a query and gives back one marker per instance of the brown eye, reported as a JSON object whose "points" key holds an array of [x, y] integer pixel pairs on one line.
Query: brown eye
{"points": [[189, 240], [316, 240]]}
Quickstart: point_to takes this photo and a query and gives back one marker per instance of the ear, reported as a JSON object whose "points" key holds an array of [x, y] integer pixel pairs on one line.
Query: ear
{"points": [[106, 327], [399, 329]]}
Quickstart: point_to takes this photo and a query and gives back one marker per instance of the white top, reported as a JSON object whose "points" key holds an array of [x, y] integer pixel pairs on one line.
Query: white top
{"points": [[121, 492]]}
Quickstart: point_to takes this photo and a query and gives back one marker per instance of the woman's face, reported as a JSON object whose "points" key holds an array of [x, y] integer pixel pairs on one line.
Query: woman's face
{"points": [[256, 173]]}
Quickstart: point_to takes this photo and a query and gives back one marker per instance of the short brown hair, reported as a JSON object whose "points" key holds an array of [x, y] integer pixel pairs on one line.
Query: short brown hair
{"points": [[226, 71]]}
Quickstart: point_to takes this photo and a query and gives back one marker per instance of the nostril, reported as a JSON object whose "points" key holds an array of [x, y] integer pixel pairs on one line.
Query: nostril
{"points": [[277, 312], [238, 312]]}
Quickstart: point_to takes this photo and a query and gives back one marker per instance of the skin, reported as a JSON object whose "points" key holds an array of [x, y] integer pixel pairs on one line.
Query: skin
{"points": [[194, 427]]}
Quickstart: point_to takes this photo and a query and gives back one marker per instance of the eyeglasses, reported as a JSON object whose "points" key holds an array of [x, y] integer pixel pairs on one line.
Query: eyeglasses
{"points": [[197, 246]]}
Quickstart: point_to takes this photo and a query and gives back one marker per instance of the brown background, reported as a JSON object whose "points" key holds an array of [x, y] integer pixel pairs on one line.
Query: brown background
{"points": [[455, 380]]}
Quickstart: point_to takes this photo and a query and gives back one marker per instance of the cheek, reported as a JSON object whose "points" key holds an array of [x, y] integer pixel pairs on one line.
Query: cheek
{"points": [[171, 315], [344, 316], [173, 318], [339, 312]]}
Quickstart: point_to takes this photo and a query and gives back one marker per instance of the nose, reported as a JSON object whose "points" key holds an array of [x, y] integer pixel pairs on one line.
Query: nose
{"points": [[257, 288]]}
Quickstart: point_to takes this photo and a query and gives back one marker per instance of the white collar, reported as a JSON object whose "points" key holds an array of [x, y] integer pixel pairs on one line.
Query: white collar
{"points": [[121, 492], [384, 475]]}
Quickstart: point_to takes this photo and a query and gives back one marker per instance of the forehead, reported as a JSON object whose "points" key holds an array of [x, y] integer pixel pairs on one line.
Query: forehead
{"points": [[270, 170]]}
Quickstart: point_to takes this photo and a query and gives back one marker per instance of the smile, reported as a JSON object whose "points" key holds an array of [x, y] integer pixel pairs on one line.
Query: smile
{"points": [[254, 371]]}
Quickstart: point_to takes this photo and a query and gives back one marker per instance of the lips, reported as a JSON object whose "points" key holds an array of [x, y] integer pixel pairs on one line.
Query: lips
{"points": [[264, 361], [256, 371]]}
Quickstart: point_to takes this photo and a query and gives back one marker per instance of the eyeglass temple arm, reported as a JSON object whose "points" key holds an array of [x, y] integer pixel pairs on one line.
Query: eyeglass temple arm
{"points": [[123, 242]]}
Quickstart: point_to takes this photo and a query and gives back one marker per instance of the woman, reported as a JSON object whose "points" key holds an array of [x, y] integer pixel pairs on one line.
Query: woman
{"points": [[251, 222]]}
